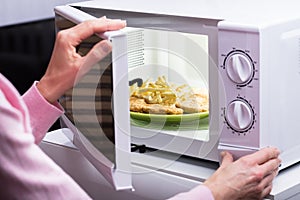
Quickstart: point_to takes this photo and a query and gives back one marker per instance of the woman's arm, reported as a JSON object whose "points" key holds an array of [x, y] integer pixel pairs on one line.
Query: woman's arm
{"points": [[42, 113], [26, 172]]}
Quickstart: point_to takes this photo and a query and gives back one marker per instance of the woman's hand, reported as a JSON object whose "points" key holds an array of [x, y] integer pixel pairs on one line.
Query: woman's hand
{"points": [[66, 66], [249, 177]]}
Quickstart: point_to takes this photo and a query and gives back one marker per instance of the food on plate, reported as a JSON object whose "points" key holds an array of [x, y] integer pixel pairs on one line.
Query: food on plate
{"points": [[161, 97], [193, 101]]}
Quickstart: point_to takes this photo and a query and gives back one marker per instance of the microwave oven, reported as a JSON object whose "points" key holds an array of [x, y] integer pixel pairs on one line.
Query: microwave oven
{"points": [[243, 57]]}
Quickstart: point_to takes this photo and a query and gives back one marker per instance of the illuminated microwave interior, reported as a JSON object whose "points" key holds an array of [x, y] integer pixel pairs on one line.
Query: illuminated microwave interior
{"points": [[183, 60]]}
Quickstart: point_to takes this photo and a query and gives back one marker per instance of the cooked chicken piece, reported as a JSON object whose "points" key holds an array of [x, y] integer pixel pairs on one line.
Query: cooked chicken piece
{"points": [[140, 105], [194, 104], [193, 101]]}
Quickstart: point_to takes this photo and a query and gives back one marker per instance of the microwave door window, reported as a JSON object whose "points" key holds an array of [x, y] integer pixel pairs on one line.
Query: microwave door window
{"points": [[89, 107], [89, 104]]}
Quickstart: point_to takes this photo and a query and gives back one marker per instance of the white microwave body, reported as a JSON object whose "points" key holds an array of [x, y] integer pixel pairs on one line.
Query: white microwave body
{"points": [[250, 53]]}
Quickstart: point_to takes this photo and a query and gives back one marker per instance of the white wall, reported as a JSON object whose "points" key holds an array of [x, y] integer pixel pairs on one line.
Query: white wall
{"points": [[20, 11]]}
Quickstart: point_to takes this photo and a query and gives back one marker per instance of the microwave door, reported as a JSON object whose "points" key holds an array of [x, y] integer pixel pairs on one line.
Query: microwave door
{"points": [[93, 110]]}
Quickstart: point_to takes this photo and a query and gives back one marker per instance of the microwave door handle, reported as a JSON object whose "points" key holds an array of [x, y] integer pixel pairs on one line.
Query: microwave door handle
{"points": [[77, 16]]}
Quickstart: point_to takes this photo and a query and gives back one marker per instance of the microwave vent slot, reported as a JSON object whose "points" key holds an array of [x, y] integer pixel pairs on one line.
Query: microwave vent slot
{"points": [[135, 43]]}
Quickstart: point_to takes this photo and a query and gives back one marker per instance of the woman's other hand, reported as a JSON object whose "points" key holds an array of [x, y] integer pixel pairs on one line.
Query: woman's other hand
{"points": [[249, 177]]}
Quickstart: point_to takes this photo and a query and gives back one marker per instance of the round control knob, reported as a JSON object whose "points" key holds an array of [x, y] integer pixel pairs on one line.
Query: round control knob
{"points": [[239, 115], [239, 68]]}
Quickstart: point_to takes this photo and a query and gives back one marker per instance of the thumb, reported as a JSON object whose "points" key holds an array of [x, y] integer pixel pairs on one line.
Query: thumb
{"points": [[227, 158], [97, 53]]}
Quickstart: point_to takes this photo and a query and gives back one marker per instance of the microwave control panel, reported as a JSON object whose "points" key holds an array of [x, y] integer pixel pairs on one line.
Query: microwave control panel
{"points": [[239, 83]]}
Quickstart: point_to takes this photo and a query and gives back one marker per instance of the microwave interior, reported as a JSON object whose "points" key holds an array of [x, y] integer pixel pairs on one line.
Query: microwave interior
{"points": [[168, 85]]}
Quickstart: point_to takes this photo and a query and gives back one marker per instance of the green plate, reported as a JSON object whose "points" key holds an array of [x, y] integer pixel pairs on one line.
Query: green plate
{"points": [[170, 122]]}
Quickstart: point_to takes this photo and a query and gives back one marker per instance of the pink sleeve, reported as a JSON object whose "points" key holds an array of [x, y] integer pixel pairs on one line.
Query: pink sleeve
{"points": [[26, 172], [200, 192], [42, 114]]}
